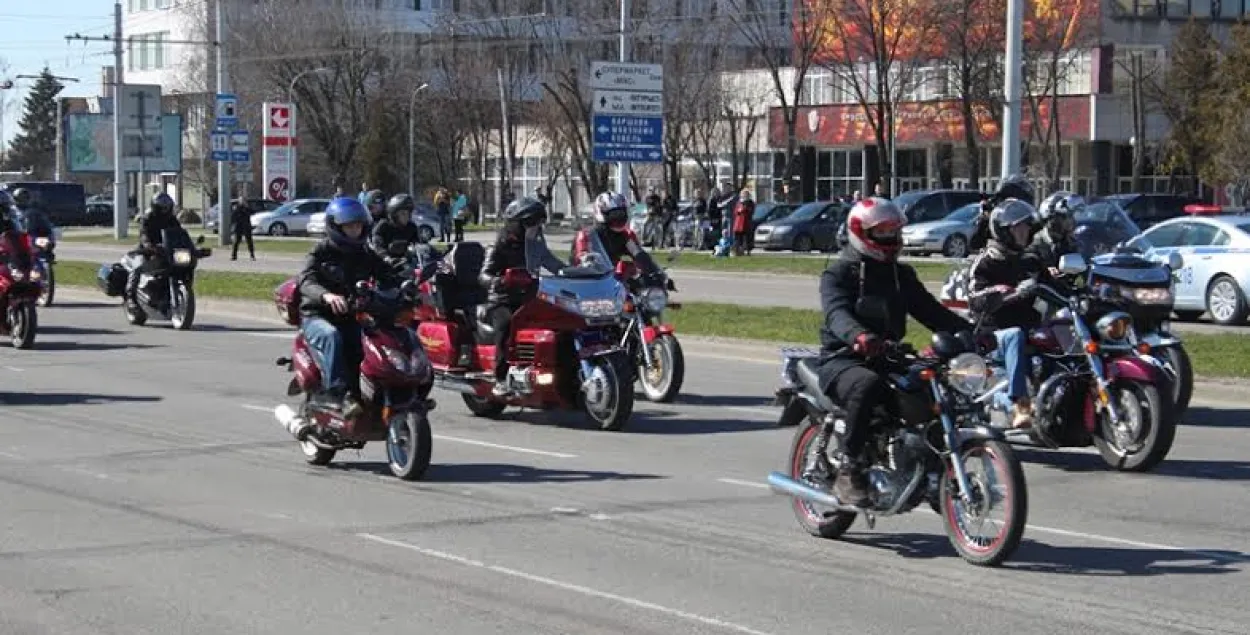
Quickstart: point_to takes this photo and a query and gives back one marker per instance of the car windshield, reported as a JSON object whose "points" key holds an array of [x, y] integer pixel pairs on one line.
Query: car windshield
{"points": [[964, 214], [761, 211], [907, 199], [808, 211], [285, 208], [1243, 226]]}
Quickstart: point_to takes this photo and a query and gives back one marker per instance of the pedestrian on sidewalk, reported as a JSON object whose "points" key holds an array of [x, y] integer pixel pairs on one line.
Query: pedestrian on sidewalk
{"points": [[241, 219]]}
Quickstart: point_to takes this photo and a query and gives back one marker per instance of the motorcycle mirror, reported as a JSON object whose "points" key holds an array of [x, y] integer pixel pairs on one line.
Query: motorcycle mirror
{"points": [[1175, 261], [1072, 264]]}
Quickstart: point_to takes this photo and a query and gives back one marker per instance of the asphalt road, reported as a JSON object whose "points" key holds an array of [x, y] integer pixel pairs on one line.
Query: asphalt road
{"points": [[747, 289], [147, 489]]}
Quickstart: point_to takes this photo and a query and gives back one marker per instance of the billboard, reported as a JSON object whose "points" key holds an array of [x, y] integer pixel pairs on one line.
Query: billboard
{"points": [[89, 145], [919, 123]]}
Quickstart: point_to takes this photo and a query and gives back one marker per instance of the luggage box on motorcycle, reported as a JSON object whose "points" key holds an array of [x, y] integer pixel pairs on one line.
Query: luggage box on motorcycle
{"points": [[286, 299], [111, 279]]}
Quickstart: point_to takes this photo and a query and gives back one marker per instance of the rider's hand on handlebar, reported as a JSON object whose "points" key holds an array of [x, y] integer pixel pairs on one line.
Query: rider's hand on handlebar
{"points": [[868, 345], [1026, 289], [336, 302]]}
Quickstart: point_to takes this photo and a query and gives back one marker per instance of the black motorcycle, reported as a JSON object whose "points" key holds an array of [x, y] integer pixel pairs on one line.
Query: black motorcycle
{"points": [[923, 449], [167, 290]]}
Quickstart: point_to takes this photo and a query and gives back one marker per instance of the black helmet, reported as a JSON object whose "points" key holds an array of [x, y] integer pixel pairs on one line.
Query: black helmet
{"points": [[1017, 187], [401, 202], [162, 204], [1007, 217], [21, 197], [526, 212], [375, 200]]}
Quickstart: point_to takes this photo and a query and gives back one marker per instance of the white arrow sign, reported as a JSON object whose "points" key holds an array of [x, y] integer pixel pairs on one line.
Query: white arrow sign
{"points": [[621, 76], [622, 102]]}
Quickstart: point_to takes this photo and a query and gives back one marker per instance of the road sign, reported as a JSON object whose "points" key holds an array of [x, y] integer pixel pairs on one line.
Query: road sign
{"points": [[220, 145], [277, 120], [641, 139], [622, 76], [240, 146], [227, 110], [243, 173], [278, 188], [621, 102], [142, 107]]}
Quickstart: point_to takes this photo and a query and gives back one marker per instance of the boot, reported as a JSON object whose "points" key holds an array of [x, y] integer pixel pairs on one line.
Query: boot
{"points": [[851, 485], [1022, 414]]}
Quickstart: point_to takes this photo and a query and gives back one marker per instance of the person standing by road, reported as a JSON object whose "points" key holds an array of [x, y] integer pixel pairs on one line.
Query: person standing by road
{"points": [[241, 221], [460, 215], [442, 209]]}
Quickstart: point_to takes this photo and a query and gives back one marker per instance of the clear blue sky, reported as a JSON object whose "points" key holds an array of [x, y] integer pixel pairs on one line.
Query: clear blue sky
{"points": [[34, 36]]}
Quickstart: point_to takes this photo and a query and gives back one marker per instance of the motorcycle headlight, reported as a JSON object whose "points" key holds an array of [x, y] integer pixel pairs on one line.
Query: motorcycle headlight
{"points": [[1154, 296], [968, 374], [182, 256], [1114, 327], [655, 300], [18, 274], [599, 308], [42, 242], [35, 275], [396, 359]]}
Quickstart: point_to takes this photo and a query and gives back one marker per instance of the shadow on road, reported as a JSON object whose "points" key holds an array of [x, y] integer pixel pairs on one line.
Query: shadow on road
{"points": [[75, 330], [1039, 557], [70, 398], [88, 346], [222, 328], [1217, 417], [749, 401], [674, 422], [84, 305], [498, 473], [1186, 468]]}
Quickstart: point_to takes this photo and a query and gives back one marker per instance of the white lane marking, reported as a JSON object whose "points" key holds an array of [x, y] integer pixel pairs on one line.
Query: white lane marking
{"points": [[566, 586], [1214, 555], [15, 369], [443, 437]]}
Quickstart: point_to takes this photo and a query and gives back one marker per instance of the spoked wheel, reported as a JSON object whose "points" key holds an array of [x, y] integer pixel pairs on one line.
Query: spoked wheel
{"points": [[23, 324], [1144, 435], [607, 396], [998, 489], [815, 519], [182, 313], [662, 382], [409, 444]]}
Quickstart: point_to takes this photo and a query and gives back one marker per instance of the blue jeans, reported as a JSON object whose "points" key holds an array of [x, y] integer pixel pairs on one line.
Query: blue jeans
{"points": [[1012, 355], [332, 346]]}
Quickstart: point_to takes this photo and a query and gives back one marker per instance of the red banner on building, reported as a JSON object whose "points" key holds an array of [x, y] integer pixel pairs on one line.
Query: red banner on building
{"points": [[921, 123]]}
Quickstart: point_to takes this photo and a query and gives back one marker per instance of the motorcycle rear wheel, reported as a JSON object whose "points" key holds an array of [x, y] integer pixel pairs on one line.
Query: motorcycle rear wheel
{"points": [[1153, 410], [314, 455], [1009, 470], [618, 379], [483, 406], [829, 524]]}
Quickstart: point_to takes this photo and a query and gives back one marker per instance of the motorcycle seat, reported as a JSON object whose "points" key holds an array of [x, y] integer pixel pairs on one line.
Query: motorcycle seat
{"points": [[808, 372]]}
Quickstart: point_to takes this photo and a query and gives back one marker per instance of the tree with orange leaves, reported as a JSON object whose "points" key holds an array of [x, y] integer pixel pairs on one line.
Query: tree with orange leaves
{"points": [[875, 47]]}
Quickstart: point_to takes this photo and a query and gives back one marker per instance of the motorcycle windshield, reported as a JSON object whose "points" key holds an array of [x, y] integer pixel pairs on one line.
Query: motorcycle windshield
{"points": [[592, 262], [177, 238]]}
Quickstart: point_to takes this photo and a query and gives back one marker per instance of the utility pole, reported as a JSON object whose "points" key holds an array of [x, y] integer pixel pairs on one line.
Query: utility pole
{"points": [[223, 167], [622, 168], [505, 193], [1012, 87]]}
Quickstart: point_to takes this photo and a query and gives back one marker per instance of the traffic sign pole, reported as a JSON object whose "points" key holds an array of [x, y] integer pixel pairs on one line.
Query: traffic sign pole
{"points": [[223, 167], [622, 168]]}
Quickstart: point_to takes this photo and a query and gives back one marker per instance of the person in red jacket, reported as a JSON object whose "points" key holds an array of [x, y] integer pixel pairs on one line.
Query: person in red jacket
{"points": [[743, 212], [612, 228]]}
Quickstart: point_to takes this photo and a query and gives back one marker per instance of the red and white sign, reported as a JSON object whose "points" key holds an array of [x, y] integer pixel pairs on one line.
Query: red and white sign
{"points": [[279, 149]]}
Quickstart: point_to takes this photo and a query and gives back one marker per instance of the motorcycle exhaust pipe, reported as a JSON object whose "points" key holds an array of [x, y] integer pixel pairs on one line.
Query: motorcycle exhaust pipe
{"points": [[782, 484], [288, 419]]}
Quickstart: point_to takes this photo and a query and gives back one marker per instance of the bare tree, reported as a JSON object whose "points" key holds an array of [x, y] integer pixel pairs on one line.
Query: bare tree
{"points": [[1142, 77], [744, 104], [1189, 96], [876, 47], [973, 29]]}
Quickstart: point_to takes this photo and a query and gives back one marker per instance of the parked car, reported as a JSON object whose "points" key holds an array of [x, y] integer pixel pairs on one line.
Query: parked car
{"points": [[1148, 210], [290, 218], [1215, 276], [769, 212], [257, 205], [425, 218], [922, 206], [811, 226], [948, 236]]}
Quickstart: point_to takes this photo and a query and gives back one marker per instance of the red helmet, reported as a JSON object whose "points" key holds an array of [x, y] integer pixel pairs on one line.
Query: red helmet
{"points": [[612, 211], [874, 229]]}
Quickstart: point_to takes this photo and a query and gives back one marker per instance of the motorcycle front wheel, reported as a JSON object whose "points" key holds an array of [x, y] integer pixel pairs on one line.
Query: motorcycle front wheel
{"points": [[49, 287], [1146, 431], [662, 382], [182, 313], [23, 324], [997, 482], [409, 445]]}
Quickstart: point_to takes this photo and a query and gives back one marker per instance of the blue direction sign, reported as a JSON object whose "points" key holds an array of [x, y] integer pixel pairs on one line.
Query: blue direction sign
{"points": [[625, 138], [227, 111], [240, 150], [220, 145]]}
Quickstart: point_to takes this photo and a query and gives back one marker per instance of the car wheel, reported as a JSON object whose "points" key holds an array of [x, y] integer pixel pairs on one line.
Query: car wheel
{"points": [[277, 229], [1225, 302], [802, 244], [956, 246]]}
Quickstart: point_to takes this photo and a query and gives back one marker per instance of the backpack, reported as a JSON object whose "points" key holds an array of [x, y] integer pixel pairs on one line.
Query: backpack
{"points": [[286, 298]]}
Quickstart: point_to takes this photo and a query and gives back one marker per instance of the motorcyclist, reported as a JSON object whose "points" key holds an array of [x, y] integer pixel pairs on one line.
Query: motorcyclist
{"points": [[159, 219], [10, 231], [34, 220], [867, 295], [8, 213], [1015, 186], [328, 279], [1058, 235], [611, 214], [375, 202], [1003, 283], [519, 245], [397, 225]]}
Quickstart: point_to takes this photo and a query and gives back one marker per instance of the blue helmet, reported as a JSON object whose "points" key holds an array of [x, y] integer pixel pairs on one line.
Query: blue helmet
{"points": [[341, 211]]}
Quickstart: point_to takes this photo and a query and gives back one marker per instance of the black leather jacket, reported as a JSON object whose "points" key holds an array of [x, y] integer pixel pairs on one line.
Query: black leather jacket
{"points": [[510, 253], [329, 269], [997, 271], [151, 227], [387, 232], [1047, 251], [37, 223]]}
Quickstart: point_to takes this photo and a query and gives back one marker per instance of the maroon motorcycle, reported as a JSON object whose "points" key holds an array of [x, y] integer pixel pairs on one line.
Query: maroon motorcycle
{"points": [[21, 284], [395, 383]]}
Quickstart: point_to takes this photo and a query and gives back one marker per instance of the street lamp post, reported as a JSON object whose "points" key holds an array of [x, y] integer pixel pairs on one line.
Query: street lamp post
{"points": [[60, 117], [290, 148], [412, 105]]}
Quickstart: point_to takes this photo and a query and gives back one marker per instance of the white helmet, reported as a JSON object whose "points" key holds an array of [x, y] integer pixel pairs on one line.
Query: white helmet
{"points": [[1060, 204], [612, 211], [874, 228]]}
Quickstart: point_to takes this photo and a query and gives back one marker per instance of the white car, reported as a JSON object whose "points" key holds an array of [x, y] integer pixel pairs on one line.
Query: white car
{"points": [[1215, 276], [290, 218], [424, 218]]}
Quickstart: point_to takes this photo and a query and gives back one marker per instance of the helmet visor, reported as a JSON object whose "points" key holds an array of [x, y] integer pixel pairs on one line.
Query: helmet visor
{"points": [[616, 218], [886, 234]]}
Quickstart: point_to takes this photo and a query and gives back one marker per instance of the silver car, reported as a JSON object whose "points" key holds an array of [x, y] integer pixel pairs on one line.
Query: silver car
{"points": [[425, 219], [948, 236], [1215, 276], [289, 218]]}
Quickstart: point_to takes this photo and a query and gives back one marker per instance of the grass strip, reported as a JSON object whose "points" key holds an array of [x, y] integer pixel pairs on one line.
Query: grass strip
{"points": [[788, 264], [1222, 355]]}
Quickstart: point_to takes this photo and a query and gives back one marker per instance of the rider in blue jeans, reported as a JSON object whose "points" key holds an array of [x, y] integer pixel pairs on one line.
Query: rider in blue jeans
{"points": [[1001, 293], [328, 279]]}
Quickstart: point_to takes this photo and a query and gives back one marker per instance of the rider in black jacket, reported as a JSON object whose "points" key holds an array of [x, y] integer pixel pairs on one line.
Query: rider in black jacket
{"points": [[160, 217], [520, 245], [867, 295], [1058, 235], [35, 220], [1014, 186], [1001, 291], [397, 225], [326, 283]]}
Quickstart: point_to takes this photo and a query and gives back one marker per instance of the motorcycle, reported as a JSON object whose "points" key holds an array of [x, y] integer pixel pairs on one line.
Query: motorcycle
{"points": [[560, 354], [1092, 386], [395, 382], [650, 342], [167, 290], [43, 264], [925, 451], [20, 285]]}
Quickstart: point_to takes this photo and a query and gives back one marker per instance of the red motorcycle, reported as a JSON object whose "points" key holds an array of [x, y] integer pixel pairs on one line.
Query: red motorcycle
{"points": [[561, 353], [21, 284], [395, 381], [651, 342]]}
